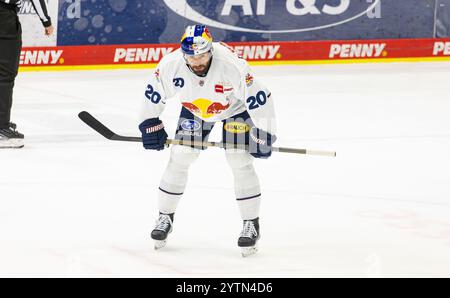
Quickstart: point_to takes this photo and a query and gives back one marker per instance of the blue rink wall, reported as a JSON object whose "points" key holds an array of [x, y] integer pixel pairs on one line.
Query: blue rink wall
{"points": [[94, 22]]}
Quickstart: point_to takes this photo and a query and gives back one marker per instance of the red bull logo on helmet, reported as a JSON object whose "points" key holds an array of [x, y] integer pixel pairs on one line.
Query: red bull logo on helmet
{"points": [[205, 108], [196, 40]]}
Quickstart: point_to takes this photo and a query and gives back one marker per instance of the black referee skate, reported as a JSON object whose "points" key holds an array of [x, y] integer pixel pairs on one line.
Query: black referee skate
{"points": [[10, 137], [162, 229], [249, 237]]}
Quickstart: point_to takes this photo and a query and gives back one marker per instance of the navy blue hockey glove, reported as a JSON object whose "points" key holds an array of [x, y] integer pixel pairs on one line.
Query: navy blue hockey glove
{"points": [[260, 145], [154, 135]]}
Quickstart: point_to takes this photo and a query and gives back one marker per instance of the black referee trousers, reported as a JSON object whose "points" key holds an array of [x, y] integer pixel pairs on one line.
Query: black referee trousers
{"points": [[10, 46]]}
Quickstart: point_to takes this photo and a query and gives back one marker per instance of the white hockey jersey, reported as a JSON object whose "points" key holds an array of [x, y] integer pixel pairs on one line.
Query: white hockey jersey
{"points": [[229, 88]]}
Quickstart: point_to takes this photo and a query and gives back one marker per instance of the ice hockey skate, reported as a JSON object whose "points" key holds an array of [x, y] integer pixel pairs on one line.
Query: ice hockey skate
{"points": [[249, 237], [11, 138], [162, 229]]}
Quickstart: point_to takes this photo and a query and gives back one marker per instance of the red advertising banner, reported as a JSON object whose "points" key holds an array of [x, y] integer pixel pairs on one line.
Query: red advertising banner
{"points": [[120, 56]]}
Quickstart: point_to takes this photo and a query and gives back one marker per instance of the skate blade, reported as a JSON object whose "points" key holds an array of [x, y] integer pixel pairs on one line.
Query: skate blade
{"points": [[160, 244], [11, 143], [248, 251]]}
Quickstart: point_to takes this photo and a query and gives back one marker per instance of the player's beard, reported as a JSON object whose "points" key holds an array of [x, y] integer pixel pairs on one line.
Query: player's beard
{"points": [[201, 69]]}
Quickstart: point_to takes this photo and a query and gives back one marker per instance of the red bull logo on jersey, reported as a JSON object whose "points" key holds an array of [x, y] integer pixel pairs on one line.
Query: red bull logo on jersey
{"points": [[249, 80], [205, 108]]}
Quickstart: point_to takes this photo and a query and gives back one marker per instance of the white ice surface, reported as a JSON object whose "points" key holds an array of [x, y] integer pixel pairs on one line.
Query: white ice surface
{"points": [[75, 204]]}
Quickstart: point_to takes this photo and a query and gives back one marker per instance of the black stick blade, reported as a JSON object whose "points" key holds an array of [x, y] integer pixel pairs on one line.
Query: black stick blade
{"points": [[96, 125]]}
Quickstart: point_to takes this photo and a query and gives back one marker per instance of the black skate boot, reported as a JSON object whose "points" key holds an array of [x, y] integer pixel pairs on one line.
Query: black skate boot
{"points": [[249, 237], [162, 229], [10, 137]]}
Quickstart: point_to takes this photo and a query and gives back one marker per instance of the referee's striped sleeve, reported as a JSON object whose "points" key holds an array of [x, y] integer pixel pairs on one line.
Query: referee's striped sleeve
{"points": [[41, 9]]}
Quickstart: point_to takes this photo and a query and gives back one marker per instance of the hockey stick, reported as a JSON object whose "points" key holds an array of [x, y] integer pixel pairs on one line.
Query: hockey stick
{"points": [[99, 127]]}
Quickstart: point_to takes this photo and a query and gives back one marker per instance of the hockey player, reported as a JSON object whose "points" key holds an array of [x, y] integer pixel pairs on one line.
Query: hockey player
{"points": [[214, 85]]}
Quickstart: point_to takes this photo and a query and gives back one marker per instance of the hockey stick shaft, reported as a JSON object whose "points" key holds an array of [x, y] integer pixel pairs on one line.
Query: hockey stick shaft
{"points": [[96, 125]]}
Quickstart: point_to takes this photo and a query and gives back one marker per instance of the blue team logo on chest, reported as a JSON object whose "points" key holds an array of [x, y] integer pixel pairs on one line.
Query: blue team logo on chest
{"points": [[178, 82], [190, 125]]}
